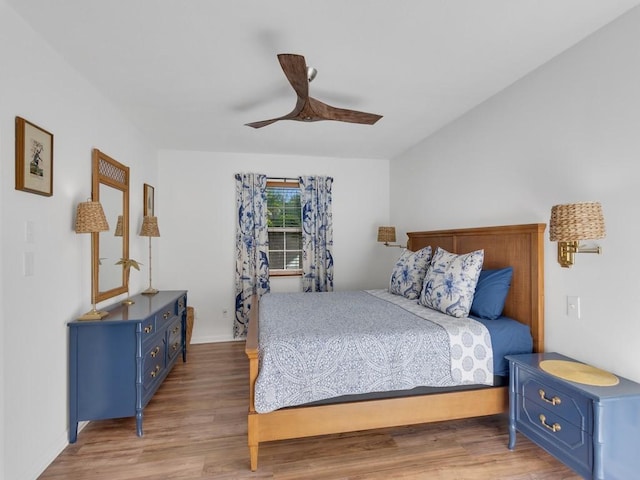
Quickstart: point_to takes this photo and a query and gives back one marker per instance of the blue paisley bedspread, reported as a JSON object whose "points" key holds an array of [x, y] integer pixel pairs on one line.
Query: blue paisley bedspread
{"points": [[315, 346]]}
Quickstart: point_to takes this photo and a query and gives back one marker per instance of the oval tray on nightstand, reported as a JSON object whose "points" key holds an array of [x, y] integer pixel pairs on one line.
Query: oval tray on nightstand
{"points": [[579, 373]]}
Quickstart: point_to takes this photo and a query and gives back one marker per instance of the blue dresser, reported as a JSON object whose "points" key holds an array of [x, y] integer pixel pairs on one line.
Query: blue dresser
{"points": [[116, 364], [594, 430]]}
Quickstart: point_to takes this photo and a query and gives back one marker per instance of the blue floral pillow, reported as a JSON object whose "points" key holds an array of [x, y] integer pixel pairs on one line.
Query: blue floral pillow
{"points": [[408, 273], [450, 282]]}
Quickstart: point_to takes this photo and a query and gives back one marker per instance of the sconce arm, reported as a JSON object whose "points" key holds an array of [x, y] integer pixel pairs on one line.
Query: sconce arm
{"points": [[567, 251]]}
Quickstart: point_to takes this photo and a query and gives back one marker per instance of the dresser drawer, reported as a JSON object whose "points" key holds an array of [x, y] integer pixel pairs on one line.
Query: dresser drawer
{"points": [[181, 304], [555, 434], [166, 316], [174, 343], [152, 375], [550, 395], [154, 352], [153, 363], [175, 308], [149, 328]]}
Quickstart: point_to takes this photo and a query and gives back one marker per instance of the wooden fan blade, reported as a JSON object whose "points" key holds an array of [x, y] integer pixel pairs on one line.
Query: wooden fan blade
{"points": [[327, 112], [300, 104], [262, 123], [295, 69]]}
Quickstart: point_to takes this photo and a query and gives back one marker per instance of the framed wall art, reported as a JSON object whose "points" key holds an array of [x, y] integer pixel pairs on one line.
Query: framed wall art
{"points": [[34, 158], [149, 201]]}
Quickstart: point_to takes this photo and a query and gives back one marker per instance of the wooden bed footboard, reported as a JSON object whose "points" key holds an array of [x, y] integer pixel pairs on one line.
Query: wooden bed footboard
{"points": [[519, 246]]}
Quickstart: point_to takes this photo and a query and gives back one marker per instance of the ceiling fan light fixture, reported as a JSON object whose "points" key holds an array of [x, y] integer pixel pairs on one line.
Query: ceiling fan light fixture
{"points": [[311, 73]]}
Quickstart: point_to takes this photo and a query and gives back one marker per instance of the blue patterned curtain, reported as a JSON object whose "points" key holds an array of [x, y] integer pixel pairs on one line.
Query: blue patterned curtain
{"points": [[252, 246], [317, 234]]}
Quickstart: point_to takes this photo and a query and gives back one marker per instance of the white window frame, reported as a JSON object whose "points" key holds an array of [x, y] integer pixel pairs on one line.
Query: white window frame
{"points": [[285, 184]]}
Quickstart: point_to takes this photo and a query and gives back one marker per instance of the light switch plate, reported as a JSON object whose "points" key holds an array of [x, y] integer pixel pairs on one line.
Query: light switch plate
{"points": [[29, 231], [29, 264], [573, 307]]}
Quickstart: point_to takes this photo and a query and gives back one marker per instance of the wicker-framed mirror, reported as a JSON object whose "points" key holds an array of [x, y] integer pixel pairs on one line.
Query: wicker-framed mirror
{"points": [[110, 187]]}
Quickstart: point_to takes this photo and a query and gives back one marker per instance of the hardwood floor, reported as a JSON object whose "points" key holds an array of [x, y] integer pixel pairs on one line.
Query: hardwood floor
{"points": [[195, 428]]}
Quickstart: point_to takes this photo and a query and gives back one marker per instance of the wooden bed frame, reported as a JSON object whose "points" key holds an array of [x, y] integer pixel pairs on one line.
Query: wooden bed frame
{"points": [[519, 246]]}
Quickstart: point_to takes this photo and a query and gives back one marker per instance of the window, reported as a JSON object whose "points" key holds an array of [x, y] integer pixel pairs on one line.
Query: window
{"points": [[284, 222]]}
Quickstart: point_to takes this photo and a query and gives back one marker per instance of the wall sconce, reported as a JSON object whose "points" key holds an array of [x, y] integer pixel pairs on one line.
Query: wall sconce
{"points": [[573, 222], [386, 235], [90, 218]]}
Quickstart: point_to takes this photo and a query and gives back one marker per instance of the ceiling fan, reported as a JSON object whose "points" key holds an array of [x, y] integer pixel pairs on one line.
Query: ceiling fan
{"points": [[307, 108]]}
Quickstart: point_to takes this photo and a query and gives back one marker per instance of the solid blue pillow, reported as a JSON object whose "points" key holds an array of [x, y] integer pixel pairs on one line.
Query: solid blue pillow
{"points": [[491, 293]]}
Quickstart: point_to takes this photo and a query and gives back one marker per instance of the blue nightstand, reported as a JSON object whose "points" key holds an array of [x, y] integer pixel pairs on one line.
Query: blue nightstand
{"points": [[594, 430]]}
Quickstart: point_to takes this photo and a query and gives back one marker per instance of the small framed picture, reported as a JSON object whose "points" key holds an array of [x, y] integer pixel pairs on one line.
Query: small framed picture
{"points": [[149, 207], [34, 158]]}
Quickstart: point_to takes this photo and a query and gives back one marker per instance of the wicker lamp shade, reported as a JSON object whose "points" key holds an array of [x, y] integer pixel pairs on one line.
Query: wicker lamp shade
{"points": [[149, 227], [387, 234], [118, 232], [576, 221], [90, 218]]}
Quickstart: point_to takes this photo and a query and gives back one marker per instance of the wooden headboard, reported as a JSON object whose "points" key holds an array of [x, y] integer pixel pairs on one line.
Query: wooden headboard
{"points": [[517, 246]]}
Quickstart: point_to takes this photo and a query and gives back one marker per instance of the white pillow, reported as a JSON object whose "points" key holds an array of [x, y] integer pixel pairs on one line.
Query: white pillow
{"points": [[450, 282], [408, 273]]}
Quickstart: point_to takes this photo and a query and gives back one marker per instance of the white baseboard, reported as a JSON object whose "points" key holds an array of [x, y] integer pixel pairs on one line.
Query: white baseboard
{"points": [[214, 339], [40, 465]]}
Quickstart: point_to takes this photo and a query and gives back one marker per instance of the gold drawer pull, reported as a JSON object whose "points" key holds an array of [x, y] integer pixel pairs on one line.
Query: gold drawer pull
{"points": [[176, 329], [175, 346], [166, 315], [554, 401], [155, 371], [155, 352], [148, 329], [181, 304], [554, 428]]}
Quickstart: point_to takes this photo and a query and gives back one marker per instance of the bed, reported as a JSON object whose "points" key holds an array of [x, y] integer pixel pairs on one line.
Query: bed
{"points": [[517, 246]]}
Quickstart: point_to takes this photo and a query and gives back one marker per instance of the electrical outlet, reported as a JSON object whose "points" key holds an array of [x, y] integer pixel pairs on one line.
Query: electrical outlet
{"points": [[225, 313], [573, 307]]}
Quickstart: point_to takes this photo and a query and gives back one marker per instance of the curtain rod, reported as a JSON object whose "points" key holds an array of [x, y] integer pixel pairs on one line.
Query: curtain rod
{"points": [[284, 179]]}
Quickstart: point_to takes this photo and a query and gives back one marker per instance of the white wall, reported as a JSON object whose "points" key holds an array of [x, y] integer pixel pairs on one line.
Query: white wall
{"points": [[196, 215], [568, 132], [37, 84], [2, 318]]}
